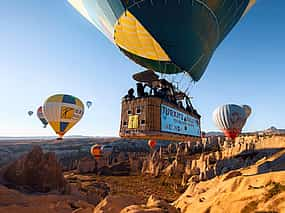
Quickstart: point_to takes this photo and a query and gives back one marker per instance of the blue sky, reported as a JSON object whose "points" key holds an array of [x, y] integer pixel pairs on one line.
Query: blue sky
{"points": [[48, 48]]}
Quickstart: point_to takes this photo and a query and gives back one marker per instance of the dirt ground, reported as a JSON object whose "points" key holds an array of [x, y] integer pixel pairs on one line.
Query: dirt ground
{"points": [[166, 188]]}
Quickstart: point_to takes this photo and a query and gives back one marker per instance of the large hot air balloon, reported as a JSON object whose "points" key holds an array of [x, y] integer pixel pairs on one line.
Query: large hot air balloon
{"points": [[41, 116], [63, 112], [166, 36], [230, 118]]}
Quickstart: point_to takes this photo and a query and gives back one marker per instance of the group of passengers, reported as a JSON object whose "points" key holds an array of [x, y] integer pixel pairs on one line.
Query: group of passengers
{"points": [[164, 90]]}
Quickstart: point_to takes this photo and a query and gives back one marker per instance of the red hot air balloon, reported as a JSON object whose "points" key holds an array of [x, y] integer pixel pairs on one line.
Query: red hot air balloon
{"points": [[96, 151], [152, 143], [42, 117], [230, 118]]}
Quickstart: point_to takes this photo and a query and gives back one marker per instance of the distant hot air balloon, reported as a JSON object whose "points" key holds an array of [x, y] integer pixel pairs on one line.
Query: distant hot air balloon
{"points": [[168, 37], [230, 118], [152, 143], [30, 113], [63, 112], [88, 104], [41, 116], [96, 151]]}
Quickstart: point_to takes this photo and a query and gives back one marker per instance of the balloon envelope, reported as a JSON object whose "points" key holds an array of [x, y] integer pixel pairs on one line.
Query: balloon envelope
{"points": [[166, 36], [89, 104], [96, 151], [230, 118], [63, 112], [152, 143], [41, 116], [30, 113]]}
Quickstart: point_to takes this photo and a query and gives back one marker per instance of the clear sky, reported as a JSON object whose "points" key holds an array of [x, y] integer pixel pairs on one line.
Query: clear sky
{"points": [[46, 47]]}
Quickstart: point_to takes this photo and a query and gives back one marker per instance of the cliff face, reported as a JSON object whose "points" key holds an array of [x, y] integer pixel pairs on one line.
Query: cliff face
{"points": [[264, 192], [210, 159], [260, 187]]}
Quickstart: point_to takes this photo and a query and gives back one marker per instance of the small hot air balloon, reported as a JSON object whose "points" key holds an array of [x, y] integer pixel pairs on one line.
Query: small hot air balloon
{"points": [[152, 143], [30, 113], [88, 104], [41, 116], [230, 118], [63, 112], [96, 151]]}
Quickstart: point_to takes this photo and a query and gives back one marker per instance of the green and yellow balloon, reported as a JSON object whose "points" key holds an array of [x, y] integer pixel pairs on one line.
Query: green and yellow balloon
{"points": [[172, 36], [63, 112]]}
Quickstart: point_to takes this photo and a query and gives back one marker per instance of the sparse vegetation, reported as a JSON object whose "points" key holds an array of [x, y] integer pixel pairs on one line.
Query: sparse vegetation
{"points": [[250, 207], [275, 190]]}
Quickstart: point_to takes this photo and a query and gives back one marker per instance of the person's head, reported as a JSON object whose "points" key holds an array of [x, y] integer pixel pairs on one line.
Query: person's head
{"points": [[163, 82], [131, 91]]}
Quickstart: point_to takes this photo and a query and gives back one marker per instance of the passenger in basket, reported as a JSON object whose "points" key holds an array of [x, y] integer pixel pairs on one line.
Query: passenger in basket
{"points": [[130, 95], [180, 105], [140, 90], [166, 91]]}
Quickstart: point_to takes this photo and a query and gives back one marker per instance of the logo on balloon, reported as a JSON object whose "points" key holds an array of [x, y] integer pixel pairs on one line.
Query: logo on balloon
{"points": [[67, 112]]}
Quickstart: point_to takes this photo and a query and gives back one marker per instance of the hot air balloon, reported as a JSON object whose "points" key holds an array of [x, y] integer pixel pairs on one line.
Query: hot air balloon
{"points": [[41, 116], [230, 118], [30, 113], [63, 112], [152, 143], [168, 37], [88, 104], [96, 151]]}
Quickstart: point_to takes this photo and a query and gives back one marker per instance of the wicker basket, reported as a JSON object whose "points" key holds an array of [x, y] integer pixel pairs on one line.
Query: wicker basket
{"points": [[140, 119]]}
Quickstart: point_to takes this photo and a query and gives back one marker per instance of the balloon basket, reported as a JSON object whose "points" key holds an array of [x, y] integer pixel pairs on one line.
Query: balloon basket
{"points": [[141, 118]]}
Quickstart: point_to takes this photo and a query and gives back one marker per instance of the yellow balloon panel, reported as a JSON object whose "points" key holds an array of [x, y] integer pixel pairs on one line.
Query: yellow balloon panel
{"points": [[130, 35], [250, 5]]}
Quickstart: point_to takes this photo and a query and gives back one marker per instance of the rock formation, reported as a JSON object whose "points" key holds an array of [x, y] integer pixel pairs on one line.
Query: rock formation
{"points": [[251, 189], [86, 188], [115, 203], [36, 172], [86, 165], [153, 205], [12, 201]]}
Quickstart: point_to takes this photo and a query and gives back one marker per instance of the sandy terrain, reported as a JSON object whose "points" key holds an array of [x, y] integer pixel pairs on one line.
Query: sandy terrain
{"points": [[260, 187], [256, 187]]}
